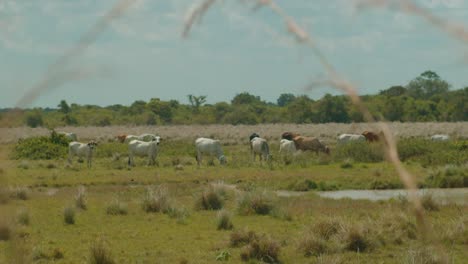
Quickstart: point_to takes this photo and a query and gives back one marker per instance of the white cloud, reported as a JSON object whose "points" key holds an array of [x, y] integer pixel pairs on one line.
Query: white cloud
{"points": [[444, 3]]}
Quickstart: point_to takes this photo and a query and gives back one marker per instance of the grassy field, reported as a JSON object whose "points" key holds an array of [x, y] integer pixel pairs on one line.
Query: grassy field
{"points": [[54, 212]]}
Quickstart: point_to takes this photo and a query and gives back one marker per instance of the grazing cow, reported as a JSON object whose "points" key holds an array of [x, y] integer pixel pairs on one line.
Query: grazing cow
{"points": [[84, 150], [259, 146], [289, 135], [370, 136], [121, 138], [210, 147], [310, 143], [68, 135], [287, 147], [142, 148], [142, 137], [440, 137], [345, 138]]}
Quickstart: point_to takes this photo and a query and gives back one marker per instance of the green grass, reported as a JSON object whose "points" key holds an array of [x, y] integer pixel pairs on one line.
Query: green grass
{"points": [[337, 229]]}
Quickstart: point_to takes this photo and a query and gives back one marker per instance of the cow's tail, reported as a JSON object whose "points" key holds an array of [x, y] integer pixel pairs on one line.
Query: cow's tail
{"points": [[265, 149]]}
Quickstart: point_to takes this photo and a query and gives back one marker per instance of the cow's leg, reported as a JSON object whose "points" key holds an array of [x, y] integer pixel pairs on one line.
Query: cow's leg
{"points": [[198, 157]]}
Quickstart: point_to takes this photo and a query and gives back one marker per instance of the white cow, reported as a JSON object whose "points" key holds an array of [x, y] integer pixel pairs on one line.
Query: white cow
{"points": [[84, 150], [345, 138], [259, 146], [440, 137], [141, 148], [142, 137], [210, 147], [287, 147], [70, 136]]}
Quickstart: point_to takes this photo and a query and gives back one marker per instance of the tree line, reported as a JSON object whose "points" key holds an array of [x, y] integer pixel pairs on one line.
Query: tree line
{"points": [[425, 98]]}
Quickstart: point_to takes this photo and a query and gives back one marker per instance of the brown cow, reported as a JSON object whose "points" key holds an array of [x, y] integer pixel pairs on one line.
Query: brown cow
{"points": [[121, 138], [370, 136], [310, 143], [289, 135]]}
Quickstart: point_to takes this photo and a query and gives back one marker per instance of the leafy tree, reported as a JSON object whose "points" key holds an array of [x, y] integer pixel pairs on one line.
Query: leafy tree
{"points": [[246, 98], [300, 110], [394, 91], [427, 85], [285, 99], [137, 107], [332, 109], [196, 101], [34, 119], [63, 107], [161, 108]]}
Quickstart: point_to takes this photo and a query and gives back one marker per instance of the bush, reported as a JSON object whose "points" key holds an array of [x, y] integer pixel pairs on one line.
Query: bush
{"points": [[99, 254], [224, 221], [80, 198], [5, 231], [43, 147], [255, 203], [432, 153], [156, 200], [210, 199], [311, 245], [19, 193], [23, 217], [263, 248], [69, 215], [242, 237], [116, 208], [429, 203], [450, 176], [359, 152]]}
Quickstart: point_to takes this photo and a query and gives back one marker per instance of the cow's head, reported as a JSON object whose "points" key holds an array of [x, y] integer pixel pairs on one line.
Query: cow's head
{"points": [[156, 139], [222, 159], [92, 144], [289, 135], [254, 135], [121, 138]]}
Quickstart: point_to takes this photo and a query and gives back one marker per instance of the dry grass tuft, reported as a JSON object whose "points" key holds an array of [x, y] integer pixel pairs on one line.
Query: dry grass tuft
{"points": [[20, 193], [116, 208], [327, 228], [80, 198], [224, 221], [69, 215], [156, 200], [5, 231], [312, 245], [100, 254], [263, 248], [212, 198], [23, 217], [242, 237], [429, 203], [355, 239], [255, 203]]}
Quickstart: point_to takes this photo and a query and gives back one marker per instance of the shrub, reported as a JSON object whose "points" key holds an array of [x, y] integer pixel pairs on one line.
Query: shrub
{"points": [[450, 176], [242, 237], [255, 203], [429, 203], [43, 147], [99, 254], [224, 221], [20, 193], [80, 198], [263, 248], [304, 186], [116, 208], [5, 231], [23, 217], [156, 200], [359, 152], [326, 228], [210, 199], [355, 240], [69, 215], [311, 245]]}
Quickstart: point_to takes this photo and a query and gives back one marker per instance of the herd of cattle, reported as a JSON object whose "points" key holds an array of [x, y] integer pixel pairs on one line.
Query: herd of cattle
{"points": [[146, 145]]}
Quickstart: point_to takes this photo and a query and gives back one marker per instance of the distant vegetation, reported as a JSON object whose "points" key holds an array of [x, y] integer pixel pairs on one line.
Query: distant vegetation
{"points": [[425, 98]]}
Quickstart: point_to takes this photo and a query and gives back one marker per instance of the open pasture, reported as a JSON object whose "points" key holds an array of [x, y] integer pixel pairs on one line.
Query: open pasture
{"points": [[171, 212]]}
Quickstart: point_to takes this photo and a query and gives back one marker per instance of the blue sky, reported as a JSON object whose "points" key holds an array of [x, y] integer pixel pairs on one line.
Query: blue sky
{"points": [[234, 49]]}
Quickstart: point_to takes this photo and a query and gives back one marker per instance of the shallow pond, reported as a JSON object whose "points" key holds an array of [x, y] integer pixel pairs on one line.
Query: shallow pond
{"points": [[443, 196]]}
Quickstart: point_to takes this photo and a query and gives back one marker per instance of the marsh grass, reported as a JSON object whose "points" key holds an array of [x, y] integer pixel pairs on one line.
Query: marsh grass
{"points": [[100, 253], [5, 231], [212, 198], [224, 220], [80, 198], [19, 193], [69, 215], [449, 176], [255, 202], [429, 203], [312, 245], [263, 248], [116, 207], [156, 200], [23, 217]]}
